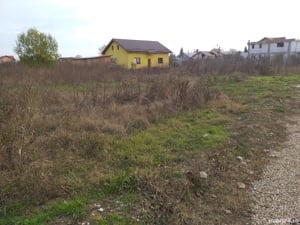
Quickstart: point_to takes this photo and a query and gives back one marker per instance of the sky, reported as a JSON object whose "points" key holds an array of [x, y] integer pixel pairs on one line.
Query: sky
{"points": [[80, 27]]}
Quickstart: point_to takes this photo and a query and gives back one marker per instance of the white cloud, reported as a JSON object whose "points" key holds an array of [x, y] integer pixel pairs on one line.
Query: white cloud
{"points": [[82, 26]]}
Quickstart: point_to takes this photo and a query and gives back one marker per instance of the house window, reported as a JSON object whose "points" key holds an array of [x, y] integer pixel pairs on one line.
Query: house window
{"points": [[160, 60], [118, 47], [280, 44], [260, 45], [137, 60], [253, 46], [112, 47]]}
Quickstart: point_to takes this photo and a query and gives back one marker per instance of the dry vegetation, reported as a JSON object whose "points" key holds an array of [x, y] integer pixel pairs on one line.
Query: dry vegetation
{"points": [[134, 140], [55, 121]]}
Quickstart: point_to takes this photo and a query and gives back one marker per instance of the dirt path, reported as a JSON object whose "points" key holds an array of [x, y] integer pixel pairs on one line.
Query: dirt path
{"points": [[277, 194]]}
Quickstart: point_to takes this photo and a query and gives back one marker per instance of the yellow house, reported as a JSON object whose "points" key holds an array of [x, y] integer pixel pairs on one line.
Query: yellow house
{"points": [[137, 53]]}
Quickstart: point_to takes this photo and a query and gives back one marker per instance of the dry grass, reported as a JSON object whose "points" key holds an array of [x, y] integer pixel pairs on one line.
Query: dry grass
{"points": [[55, 116], [68, 130], [223, 103]]}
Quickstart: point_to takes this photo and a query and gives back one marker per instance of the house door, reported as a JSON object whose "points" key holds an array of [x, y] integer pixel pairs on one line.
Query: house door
{"points": [[149, 63]]}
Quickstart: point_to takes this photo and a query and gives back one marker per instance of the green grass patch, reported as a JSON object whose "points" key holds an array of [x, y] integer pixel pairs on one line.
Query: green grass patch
{"points": [[17, 214], [147, 150], [120, 183], [184, 134], [124, 162], [260, 91], [279, 108]]}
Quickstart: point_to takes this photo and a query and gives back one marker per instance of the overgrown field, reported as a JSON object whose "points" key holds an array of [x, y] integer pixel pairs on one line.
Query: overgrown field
{"points": [[107, 146]]}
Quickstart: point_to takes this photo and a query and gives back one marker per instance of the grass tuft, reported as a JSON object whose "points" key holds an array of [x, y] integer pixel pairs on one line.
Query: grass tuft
{"points": [[134, 143]]}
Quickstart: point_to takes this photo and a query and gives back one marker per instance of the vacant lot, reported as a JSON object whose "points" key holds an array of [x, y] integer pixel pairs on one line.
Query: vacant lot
{"points": [[107, 146]]}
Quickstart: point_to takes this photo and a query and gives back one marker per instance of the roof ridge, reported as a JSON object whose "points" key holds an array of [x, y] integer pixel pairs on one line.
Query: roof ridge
{"points": [[132, 45]]}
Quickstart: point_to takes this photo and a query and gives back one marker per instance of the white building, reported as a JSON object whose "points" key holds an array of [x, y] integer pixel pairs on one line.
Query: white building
{"points": [[272, 47]]}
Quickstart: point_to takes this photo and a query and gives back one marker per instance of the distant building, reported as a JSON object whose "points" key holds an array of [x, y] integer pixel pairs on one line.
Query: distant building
{"points": [[7, 59], [200, 55], [213, 54], [137, 53], [184, 57], [272, 47], [86, 61]]}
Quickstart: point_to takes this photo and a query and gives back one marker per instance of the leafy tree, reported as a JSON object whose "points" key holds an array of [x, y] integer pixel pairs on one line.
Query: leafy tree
{"points": [[36, 48]]}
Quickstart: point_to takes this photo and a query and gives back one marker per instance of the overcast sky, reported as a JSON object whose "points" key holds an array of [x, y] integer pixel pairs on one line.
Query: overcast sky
{"points": [[81, 26]]}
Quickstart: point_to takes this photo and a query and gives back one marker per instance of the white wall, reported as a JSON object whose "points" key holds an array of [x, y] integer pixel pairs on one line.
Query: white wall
{"points": [[295, 46], [258, 50], [274, 49]]}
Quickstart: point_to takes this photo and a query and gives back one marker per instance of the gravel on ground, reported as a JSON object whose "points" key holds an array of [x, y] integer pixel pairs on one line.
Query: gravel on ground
{"points": [[277, 193]]}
